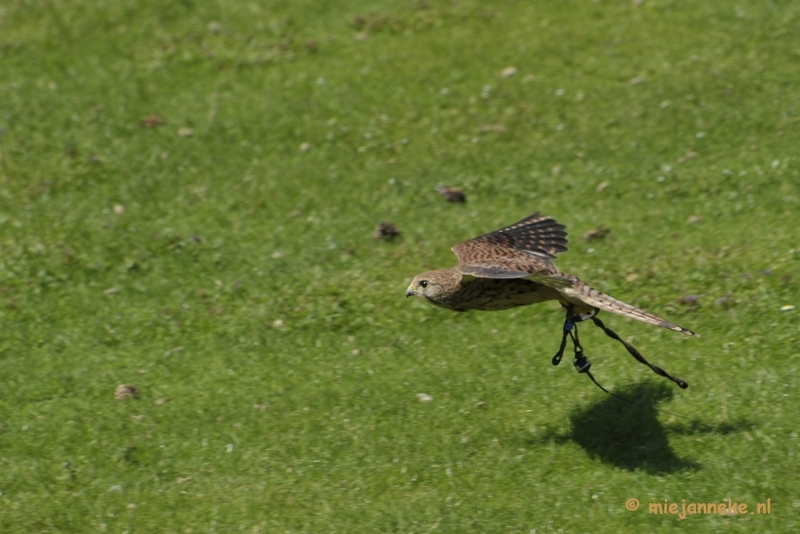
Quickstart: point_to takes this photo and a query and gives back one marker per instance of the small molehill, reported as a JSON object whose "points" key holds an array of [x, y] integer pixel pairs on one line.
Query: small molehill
{"points": [[452, 194], [596, 233], [386, 231], [152, 121], [126, 391]]}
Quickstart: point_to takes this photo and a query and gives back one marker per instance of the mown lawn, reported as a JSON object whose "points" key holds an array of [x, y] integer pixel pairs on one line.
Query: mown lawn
{"points": [[188, 194]]}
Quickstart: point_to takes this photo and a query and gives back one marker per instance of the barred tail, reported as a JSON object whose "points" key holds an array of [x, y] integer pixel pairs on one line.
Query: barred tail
{"points": [[582, 293]]}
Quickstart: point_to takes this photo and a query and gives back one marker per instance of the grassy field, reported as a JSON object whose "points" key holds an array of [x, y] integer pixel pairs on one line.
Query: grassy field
{"points": [[188, 194]]}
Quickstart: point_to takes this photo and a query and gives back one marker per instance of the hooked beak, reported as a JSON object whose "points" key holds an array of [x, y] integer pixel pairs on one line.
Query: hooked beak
{"points": [[410, 292]]}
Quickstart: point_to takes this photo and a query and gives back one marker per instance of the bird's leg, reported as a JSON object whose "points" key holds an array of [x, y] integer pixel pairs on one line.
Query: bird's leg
{"points": [[568, 325], [582, 363], [571, 329], [636, 354]]}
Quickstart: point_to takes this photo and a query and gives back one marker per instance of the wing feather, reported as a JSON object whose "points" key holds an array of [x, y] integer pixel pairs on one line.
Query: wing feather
{"points": [[522, 250]]}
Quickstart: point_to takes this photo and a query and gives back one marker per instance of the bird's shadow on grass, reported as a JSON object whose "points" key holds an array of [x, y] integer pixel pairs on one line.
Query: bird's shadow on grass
{"points": [[631, 437]]}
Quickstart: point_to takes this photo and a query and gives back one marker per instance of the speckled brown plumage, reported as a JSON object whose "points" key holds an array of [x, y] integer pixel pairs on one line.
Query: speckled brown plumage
{"points": [[513, 267]]}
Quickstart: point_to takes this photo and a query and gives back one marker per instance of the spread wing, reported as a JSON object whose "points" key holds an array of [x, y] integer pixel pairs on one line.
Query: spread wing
{"points": [[523, 250]]}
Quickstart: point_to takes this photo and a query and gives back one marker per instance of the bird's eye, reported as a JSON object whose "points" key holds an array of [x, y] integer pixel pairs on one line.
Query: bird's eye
{"points": [[423, 284]]}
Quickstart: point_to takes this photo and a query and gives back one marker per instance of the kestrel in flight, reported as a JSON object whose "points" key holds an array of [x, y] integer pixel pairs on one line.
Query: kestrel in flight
{"points": [[513, 266]]}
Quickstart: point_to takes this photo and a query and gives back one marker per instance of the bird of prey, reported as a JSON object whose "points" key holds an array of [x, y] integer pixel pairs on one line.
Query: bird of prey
{"points": [[513, 266]]}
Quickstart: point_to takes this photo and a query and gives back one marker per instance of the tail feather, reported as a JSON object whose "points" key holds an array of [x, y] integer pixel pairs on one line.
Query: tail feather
{"points": [[581, 293]]}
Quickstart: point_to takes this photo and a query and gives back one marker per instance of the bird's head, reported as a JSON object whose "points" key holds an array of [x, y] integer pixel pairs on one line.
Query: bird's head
{"points": [[433, 286]]}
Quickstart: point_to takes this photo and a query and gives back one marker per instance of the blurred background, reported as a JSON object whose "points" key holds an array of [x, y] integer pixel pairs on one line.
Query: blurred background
{"points": [[210, 210]]}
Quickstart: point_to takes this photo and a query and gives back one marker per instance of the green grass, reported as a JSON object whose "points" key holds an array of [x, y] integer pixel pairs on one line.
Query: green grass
{"points": [[233, 277]]}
